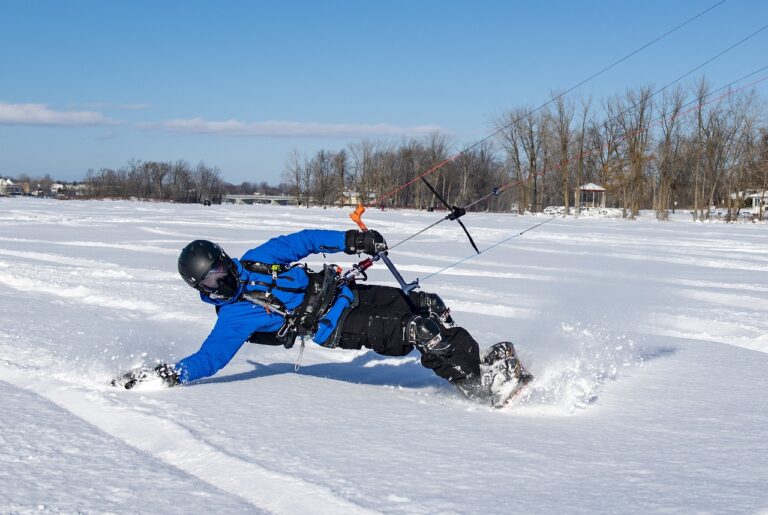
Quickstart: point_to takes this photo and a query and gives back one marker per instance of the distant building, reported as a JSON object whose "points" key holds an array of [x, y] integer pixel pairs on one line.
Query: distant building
{"points": [[354, 198], [757, 200], [751, 199], [8, 187], [5, 186], [259, 198]]}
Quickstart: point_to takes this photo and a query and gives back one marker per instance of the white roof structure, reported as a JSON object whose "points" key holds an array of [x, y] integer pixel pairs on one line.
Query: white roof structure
{"points": [[591, 187]]}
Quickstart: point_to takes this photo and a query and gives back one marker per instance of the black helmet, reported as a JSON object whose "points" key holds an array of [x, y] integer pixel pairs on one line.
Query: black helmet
{"points": [[205, 266]]}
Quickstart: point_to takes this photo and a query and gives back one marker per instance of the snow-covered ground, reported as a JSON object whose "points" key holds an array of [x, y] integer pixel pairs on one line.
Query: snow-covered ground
{"points": [[648, 342]]}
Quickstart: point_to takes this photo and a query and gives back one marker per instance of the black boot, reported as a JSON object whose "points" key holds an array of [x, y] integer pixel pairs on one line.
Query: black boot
{"points": [[502, 373], [501, 376]]}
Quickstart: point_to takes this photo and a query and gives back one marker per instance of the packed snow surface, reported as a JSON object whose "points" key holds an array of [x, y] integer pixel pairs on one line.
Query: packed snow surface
{"points": [[648, 341]]}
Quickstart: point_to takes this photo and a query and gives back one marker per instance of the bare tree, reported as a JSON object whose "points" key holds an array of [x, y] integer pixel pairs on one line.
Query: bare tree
{"points": [[293, 173], [668, 152], [562, 119], [582, 152], [604, 157], [340, 169], [516, 138], [362, 167], [636, 110], [718, 127]]}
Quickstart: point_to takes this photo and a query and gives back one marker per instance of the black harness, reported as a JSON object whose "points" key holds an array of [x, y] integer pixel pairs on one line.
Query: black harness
{"points": [[303, 320]]}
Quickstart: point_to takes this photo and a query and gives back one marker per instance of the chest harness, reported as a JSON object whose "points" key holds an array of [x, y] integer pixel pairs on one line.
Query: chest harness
{"points": [[319, 295]]}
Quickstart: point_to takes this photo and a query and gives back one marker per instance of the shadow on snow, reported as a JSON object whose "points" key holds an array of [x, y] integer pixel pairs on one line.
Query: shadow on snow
{"points": [[367, 368]]}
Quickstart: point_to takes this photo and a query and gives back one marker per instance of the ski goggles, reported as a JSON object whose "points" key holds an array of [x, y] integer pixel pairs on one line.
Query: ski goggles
{"points": [[213, 280]]}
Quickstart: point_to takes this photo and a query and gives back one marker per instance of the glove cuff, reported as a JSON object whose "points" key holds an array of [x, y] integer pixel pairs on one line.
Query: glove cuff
{"points": [[352, 239]]}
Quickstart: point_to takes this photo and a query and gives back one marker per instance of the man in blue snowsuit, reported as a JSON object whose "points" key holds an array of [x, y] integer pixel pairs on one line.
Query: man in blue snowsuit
{"points": [[266, 298]]}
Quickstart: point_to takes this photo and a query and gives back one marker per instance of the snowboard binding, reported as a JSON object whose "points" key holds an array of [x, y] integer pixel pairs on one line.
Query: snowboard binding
{"points": [[502, 374], [502, 377]]}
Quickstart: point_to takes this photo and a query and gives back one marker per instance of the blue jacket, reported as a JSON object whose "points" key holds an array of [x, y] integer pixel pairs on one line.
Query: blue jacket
{"points": [[238, 319]]}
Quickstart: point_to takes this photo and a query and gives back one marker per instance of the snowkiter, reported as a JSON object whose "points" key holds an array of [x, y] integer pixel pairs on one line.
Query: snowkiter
{"points": [[266, 297]]}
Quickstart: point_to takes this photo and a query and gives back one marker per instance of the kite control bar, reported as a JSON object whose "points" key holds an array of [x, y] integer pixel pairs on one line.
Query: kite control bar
{"points": [[359, 269], [406, 287]]}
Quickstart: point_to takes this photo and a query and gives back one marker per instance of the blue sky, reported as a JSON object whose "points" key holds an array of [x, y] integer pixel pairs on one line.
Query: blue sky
{"points": [[92, 84]]}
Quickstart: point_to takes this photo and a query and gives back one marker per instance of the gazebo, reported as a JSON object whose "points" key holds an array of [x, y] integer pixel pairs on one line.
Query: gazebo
{"points": [[590, 195]]}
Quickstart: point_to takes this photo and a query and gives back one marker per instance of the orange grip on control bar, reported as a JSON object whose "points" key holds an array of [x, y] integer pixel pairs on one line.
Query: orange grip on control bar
{"points": [[356, 217]]}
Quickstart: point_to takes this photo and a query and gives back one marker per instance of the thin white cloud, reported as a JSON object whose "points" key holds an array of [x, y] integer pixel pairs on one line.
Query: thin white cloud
{"points": [[40, 114], [286, 129]]}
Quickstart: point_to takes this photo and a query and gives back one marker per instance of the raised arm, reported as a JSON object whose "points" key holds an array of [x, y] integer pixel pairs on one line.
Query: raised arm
{"points": [[296, 246]]}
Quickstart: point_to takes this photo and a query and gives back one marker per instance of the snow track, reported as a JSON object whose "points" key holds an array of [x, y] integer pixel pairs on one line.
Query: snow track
{"points": [[162, 438], [54, 462]]}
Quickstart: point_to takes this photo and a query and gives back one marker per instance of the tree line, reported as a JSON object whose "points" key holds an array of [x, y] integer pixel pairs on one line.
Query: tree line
{"points": [[151, 180], [688, 148], [168, 181], [692, 148]]}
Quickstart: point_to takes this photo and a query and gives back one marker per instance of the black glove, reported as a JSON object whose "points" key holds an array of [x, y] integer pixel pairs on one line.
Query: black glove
{"points": [[164, 371], [167, 373], [370, 242]]}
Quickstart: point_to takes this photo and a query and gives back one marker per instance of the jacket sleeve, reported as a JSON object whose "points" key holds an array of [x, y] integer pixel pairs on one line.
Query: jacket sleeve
{"points": [[297, 246], [234, 325]]}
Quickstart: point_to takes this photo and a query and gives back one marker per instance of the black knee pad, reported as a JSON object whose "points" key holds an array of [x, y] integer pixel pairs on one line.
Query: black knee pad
{"points": [[424, 334], [432, 306]]}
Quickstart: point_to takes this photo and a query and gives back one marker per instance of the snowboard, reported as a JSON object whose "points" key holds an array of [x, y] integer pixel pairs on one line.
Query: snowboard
{"points": [[516, 391]]}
